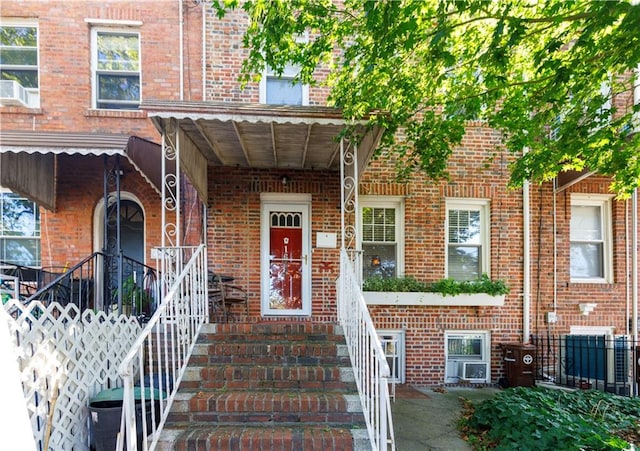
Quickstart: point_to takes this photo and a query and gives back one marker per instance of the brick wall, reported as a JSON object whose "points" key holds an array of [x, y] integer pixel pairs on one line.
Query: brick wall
{"points": [[65, 62], [64, 36], [225, 53], [479, 168], [68, 234], [233, 228], [611, 297]]}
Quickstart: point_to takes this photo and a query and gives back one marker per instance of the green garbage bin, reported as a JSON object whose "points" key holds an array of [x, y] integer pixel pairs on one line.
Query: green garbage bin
{"points": [[105, 411]]}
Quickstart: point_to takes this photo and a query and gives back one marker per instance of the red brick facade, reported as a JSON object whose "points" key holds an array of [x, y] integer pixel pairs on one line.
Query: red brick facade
{"points": [[479, 169], [64, 46]]}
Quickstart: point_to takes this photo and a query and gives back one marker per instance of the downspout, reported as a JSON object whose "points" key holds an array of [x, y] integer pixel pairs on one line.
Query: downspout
{"points": [[204, 52], [634, 225], [526, 262], [555, 245], [634, 264], [181, 15]]}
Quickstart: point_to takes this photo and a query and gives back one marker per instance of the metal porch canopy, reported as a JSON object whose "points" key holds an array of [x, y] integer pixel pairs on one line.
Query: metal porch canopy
{"points": [[27, 159], [261, 136]]}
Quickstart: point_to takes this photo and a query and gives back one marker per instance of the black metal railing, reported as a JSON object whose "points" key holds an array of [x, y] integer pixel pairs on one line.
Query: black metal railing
{"points": [[98, 282], [603, 362]]}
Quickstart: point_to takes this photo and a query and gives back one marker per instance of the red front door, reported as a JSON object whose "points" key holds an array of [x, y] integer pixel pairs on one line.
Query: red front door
{"points": [[285, 266]]}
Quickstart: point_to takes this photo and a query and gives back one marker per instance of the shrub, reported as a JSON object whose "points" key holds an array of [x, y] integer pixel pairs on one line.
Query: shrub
{"points": [[544, 419], [449, 286], [378, 283]]}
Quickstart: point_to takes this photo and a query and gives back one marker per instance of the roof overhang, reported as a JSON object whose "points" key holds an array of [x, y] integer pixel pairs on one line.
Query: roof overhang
{"points": [[264, 136], [565, 179], [27, 159]]}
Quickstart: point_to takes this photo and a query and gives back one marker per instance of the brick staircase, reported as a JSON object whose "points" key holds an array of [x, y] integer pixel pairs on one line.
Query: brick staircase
{"points": [[267, 386]]}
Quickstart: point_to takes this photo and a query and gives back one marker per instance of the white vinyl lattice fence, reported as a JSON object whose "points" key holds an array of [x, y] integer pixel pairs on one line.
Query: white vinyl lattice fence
{"points": [[65, 359]]}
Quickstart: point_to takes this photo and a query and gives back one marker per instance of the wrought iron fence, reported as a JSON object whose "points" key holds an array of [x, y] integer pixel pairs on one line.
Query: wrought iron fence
{"points": [[99, 282], [609, 363]]}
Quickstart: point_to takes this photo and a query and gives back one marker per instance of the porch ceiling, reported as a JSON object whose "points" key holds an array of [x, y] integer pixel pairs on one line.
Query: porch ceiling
{"points": [[263, 136], [27, 159]]}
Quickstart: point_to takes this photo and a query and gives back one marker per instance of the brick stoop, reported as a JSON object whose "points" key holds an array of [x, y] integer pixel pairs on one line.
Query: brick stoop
{"points": [[267, 386]]}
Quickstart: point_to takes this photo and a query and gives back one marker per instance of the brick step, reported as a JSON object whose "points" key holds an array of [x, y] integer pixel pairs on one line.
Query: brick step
{"points": [[267, 437], [280, 407], [273, 352], [290, 332], [268, 377], [267, 386]]}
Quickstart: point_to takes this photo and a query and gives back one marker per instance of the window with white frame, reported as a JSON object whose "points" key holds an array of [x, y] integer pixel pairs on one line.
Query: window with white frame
{"points": [[393, 345], [19, 230], [280, 89], [19, 84], [467, 238], [382, 231], [116, 69], [467, 355], [590, 236]]}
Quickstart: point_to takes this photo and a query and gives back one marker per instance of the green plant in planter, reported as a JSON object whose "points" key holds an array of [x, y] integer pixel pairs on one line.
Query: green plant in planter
{"points": [[448, 287], [133, 293], [483, 285], [406, 284]]}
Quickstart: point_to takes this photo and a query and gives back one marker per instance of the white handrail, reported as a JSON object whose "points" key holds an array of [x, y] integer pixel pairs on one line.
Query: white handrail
{"points": [[369, 362], [154, 367]]}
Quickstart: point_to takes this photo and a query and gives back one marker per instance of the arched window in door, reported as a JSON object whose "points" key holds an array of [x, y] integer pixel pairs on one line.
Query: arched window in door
{"points": [[131, 230]]}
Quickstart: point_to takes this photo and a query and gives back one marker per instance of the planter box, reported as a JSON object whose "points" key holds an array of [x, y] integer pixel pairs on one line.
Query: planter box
{"points": [[403, 298]]}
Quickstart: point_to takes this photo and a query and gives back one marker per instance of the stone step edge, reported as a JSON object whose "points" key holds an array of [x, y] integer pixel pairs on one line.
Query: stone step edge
{"points": [[182, 400], [202, 349], [170, 436], [214, 328], [192, 373]]}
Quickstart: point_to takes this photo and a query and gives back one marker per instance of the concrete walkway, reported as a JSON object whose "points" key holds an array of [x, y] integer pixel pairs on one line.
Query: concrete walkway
{"points": [[426, 420]]}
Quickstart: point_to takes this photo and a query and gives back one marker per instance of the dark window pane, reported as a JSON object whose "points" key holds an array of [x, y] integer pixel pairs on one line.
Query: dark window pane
{"points": [[464, 346], [26, 78], [19, 56], [119, 87], [367, 232], [379, 260]]}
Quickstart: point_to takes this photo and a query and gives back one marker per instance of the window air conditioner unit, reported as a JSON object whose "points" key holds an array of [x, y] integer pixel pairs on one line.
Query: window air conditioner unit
{"points": [[474, 371], [13, 93]]}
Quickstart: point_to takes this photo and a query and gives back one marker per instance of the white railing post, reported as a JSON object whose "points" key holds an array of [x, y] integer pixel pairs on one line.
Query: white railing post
{"points": [[158, 359], [369, 362]]}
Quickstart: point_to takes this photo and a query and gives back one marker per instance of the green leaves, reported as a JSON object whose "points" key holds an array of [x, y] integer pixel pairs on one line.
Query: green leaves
{"points": [[449, 287], [536, 418], [431, 65]]}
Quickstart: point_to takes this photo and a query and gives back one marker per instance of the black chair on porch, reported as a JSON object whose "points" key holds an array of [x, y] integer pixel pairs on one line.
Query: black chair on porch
{"points": [[223, 295]]}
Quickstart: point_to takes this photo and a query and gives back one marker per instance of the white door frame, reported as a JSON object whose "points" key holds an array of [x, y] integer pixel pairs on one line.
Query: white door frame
{"points": [[285, 202]]}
